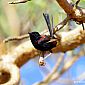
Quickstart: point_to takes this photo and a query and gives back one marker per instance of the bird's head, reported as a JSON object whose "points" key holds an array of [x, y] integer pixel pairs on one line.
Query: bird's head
{"points": [[34, 35]]}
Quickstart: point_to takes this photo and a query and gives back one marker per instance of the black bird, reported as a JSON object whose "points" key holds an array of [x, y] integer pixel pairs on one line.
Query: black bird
{"points": [[43, 42]]}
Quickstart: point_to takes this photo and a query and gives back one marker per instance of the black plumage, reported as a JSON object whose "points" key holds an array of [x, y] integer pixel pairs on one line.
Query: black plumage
{"points": [[42, 42]]}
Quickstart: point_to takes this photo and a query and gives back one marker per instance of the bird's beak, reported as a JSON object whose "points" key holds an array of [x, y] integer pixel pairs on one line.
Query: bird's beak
{"points": [[29, 33]]}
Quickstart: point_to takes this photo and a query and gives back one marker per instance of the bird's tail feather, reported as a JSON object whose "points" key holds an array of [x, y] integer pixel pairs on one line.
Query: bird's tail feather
{"points": [[47, 19]]}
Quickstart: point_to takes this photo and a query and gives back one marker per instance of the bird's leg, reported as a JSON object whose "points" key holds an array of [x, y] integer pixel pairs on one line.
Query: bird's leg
{"points": [[41, 59], [82, 25]]}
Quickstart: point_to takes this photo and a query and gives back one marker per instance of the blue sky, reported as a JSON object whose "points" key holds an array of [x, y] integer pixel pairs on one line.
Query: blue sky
{"points": [[31, 72]]}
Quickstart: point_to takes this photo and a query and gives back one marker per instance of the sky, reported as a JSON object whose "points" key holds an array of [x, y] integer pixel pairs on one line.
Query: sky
{"points": [[31, 72]]}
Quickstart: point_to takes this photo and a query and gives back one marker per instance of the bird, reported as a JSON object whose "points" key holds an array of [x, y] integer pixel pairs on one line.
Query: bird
{"points": [[43, 42]]}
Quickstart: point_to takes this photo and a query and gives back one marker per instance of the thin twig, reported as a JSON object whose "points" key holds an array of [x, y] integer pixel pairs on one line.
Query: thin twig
{"points": [[18, 1], [61, 25], [16, 38], [76, 4]]}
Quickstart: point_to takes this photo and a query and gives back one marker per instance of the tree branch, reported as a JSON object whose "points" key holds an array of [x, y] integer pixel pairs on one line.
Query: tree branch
{"points": [[77, 14], [18, 1], [26, 51], [61, 24], [16, 38], [9, 74]]}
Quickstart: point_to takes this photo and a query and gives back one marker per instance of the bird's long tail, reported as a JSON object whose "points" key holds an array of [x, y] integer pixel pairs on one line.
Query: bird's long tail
{"points": [[47, 19]]}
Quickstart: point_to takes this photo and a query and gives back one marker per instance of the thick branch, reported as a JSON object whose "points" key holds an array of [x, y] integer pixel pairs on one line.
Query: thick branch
{"points": [[70, 40], [66, 6], [26, 51], [9, 74], [77, 14]]}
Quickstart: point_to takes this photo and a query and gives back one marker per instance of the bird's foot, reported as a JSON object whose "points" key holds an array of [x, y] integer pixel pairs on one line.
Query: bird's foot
{"points": [[41, 61]]}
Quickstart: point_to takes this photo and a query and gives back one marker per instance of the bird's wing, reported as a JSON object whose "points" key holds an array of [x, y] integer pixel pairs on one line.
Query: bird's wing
{"points": [[43, 39], [52, 42]]}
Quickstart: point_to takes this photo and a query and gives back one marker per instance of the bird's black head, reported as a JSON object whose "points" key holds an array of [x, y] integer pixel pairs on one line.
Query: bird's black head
{"points": [[34, 36]]}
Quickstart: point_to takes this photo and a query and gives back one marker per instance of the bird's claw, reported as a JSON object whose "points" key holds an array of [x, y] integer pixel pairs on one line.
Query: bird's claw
{"points": [[41, 61]]}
